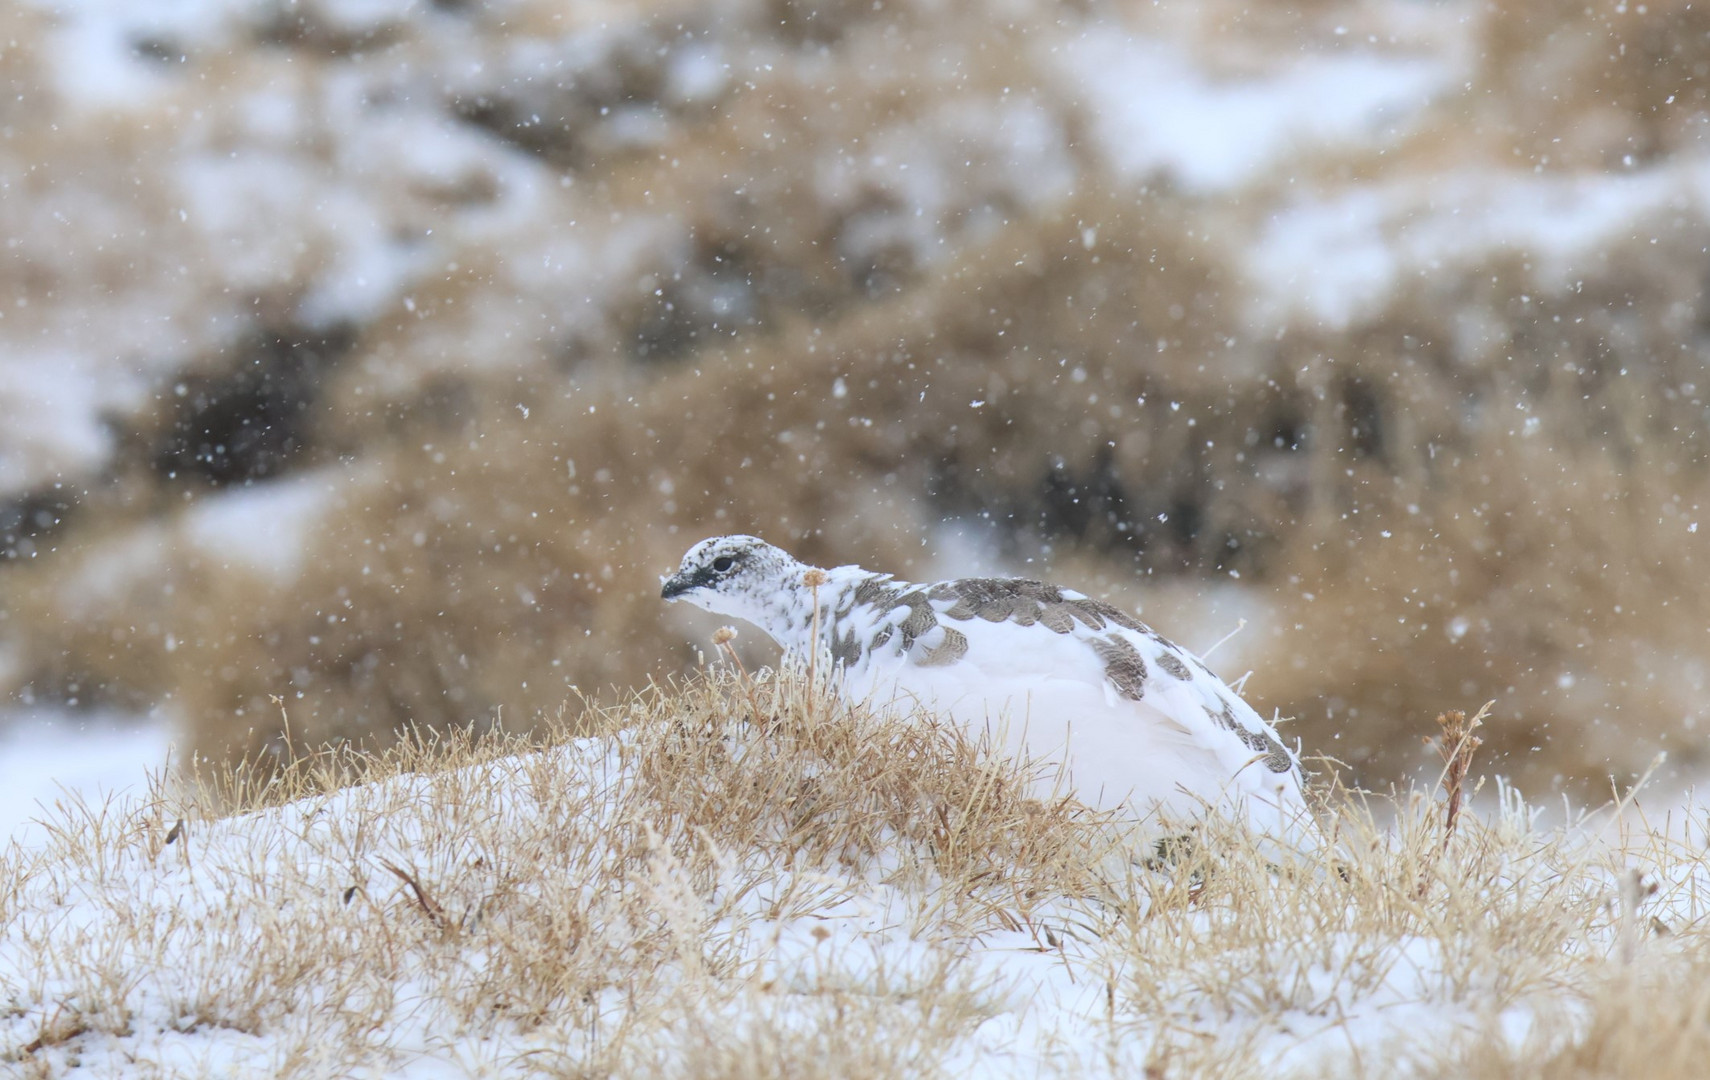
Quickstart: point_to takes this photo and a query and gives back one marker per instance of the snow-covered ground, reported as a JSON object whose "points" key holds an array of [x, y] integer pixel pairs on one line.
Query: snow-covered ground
{"points": [[823, 896], [1160, 114], [51, 758]]}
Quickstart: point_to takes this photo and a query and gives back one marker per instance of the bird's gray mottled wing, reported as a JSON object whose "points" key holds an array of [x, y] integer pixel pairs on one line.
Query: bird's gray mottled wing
{"points": [[1028, 603], [880, 614], [1137, 660]]}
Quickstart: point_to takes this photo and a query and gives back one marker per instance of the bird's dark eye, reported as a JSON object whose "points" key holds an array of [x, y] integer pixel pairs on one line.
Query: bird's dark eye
{"points": [[723, 563]]}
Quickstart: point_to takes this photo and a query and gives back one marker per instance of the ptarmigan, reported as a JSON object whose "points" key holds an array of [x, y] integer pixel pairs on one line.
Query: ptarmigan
{"points": [[1135, 721]]}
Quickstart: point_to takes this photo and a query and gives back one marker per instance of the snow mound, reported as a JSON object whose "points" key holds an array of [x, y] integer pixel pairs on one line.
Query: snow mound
{"points": [[735, 877]]}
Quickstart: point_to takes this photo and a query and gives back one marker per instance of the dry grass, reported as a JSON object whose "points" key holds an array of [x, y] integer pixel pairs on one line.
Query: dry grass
{"points": [[576, 902], [736, 878], [1596, 85]]}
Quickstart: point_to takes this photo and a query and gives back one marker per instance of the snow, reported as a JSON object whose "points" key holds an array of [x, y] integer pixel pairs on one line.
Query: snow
{"points": [[697, 74], [96, 61], [1332, 259], [267, 526], [1157, 111], [50, 757], [53, 407], [264, 528]]}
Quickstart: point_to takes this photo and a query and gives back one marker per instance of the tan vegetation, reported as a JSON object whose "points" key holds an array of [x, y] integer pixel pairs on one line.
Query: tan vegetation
{"points": [[860, 280], [1595, 85]]}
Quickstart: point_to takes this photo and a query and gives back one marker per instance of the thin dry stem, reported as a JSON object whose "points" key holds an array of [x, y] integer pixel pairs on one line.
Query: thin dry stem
{"points": [[1457, 746], [722, 638], [813, 579]]}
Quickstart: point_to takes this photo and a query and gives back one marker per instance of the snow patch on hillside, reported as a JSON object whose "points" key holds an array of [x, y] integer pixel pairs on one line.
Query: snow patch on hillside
{"points": [[1331, 260], [1157, 112]]}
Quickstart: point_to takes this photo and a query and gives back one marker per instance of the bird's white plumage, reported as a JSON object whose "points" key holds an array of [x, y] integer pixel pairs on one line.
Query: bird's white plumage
{"points": [[1133, 720]]}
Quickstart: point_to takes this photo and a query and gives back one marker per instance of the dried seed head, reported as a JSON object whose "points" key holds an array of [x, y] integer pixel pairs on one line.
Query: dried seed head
{"points": [[723, 634], [814, 578]]}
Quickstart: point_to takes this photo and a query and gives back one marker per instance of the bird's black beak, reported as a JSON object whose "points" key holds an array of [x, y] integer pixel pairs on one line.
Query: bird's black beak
{"points": [[678, 584]]}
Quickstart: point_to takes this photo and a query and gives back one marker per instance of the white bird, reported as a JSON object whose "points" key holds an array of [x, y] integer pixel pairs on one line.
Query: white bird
{"points": [[1133, 721]]}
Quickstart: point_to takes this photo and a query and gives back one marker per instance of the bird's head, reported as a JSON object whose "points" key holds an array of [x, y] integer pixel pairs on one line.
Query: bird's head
{"points": [[739, 576]]}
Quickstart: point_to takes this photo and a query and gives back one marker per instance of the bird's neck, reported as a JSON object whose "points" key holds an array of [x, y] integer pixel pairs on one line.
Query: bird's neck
{"points": [[789, 616]]}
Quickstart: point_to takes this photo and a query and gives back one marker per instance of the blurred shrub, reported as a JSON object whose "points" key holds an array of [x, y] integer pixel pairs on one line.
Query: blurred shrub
{"points": [[864, 282]]}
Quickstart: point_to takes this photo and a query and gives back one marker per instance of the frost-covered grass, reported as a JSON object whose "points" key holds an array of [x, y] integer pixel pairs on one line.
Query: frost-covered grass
{"points": [[738, 878]]}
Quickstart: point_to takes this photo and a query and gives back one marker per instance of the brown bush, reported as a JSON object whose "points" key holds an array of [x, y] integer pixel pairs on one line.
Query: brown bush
{"points": [[1599, 85]]}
